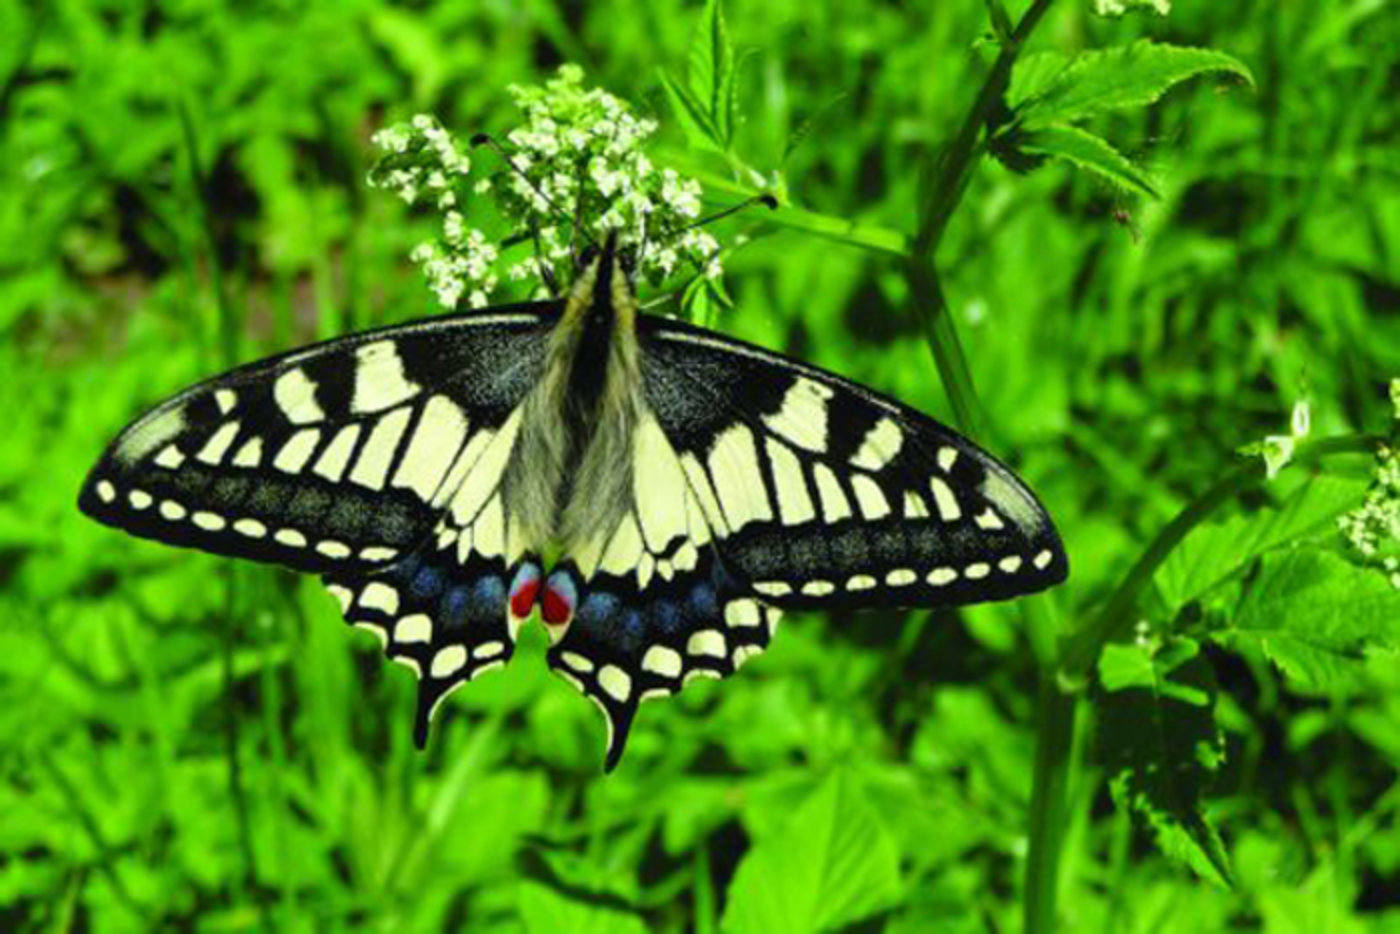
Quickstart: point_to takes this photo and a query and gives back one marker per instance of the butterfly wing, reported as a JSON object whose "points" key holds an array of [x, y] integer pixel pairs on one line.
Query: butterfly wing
{"points": [[655, 606], [374, 460], [822, 492], [762, 484]]}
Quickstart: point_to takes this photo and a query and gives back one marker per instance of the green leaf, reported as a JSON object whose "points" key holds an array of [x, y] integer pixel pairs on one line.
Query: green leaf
{"points": [[1159, 742], [1084, 150], [543, 909], [832, 862], [694, 118], [1316, 616], [1216, 552], [711, 73], [1108, 79]]}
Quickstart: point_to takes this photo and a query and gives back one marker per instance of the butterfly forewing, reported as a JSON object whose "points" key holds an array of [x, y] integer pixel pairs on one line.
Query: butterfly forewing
{"points": [[824, 493], [339, 456]]}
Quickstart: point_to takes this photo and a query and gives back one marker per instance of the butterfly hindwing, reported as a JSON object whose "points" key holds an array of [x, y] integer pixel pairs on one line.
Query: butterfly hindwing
{"points": [[338, 456], [655, 605], [824, 493]]}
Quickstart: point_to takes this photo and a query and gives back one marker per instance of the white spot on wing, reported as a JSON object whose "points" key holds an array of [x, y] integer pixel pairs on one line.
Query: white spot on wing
{"points": [[225, 399], [379, 378], [380, 596], [944, 500], [576, 661], [940, 576], [448, 661], [989, 520], [662, 661], [139, 499], [1010, 564], [483, 471], [742, 613], [835, 506], [873, 504], [250, 527], [333, 549], [977, 570], [170, 457], [734, 467], [880, 446], [803, 418], [615, 682], [436, 439], [171, 510], [378, 452], [415, 628], [297, 451], [946, 458], [295, 395], [794, 503], [208, 521], [706, 642], [624, 552], [1043, 559], [250, 455], [658, 485], [900, 577], [333, 460], [218, 444], [105, 491], [290, 537]]}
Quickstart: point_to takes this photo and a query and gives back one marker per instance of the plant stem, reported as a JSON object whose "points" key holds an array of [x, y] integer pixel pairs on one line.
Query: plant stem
{"points": [[1055, 711], [228, 351], [956, 165]]}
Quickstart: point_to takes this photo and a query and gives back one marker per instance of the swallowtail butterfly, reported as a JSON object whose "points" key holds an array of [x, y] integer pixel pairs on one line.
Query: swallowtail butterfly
{"points": [[659, 493]]}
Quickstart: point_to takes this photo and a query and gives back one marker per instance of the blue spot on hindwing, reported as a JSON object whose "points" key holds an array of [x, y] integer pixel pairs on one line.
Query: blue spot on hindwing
{"points": [[427, 583], [667, 616], [703, 604], [453, 612], [596, 609]]}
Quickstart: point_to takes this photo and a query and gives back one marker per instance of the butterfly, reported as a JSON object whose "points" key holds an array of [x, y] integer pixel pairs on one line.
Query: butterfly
{"points": [[658, 493]]}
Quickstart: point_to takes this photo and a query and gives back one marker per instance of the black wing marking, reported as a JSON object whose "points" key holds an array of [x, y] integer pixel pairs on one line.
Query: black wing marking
{"points": [[825, 493], [656, 607], [340, 456]]}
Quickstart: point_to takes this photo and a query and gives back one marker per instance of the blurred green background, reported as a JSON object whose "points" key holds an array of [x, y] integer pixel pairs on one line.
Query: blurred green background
{"points": [[189, 744]]}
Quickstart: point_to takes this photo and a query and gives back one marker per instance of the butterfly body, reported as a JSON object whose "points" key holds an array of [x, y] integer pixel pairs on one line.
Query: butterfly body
{"points": [[658, 493]]}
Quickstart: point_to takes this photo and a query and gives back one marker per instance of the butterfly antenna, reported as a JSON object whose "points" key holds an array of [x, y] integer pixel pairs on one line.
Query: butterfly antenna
{"points": [[765, 199], [486, 139]]}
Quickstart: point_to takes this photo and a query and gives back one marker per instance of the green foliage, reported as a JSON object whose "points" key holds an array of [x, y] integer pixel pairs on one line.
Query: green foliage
{"points": [[1049, 90], [188, 743]]}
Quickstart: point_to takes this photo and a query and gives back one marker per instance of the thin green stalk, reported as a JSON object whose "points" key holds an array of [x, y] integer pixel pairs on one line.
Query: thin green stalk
{"points": [[1055, 730], [228, 349]]}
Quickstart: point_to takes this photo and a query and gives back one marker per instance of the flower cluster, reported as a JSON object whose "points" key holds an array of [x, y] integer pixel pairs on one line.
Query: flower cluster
{"points": [[571, 173], [1373, 528]]}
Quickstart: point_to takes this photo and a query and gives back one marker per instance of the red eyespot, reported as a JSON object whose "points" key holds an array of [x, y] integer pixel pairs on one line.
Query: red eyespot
{"points": [[523, 591], [557, 607]]}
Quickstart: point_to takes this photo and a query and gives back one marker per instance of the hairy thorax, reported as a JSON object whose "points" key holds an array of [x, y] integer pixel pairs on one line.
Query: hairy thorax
{"points": [[570, 476]]}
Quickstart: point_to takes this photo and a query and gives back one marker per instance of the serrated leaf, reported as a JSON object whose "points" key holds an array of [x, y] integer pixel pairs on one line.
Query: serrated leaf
{"points": [[832, 862], [1158, 740], [1084, 150], [695, 121], [711, 73], [1110, 79], [1213, 553], [1316, 616]]}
